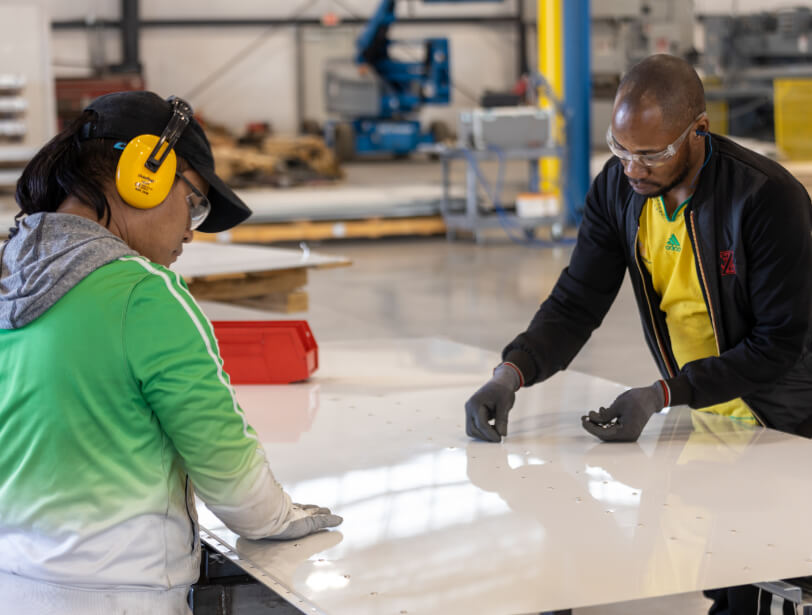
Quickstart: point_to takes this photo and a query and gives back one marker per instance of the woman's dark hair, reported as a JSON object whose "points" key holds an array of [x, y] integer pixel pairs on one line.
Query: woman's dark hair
{"points": [[67, 165]]}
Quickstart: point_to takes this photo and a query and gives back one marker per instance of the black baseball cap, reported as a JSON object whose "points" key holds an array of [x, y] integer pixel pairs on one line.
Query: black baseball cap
{"points": [[125, 115]]}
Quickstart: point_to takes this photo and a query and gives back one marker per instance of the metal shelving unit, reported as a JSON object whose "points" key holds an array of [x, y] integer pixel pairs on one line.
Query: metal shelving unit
{"points": [[472, 218], [13, 128], [27, 110]]}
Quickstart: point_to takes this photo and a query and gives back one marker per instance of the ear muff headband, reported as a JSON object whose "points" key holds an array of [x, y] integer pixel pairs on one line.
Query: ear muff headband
{"points": [[146, 169]]}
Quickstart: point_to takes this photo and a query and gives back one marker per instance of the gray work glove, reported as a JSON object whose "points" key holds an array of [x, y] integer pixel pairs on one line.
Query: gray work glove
{"points": [[624, 420], [306, 519], [492, 402]]}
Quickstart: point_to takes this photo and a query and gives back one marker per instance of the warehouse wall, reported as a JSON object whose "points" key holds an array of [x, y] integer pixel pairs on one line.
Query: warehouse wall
{"points": [[743, 6], [258, 80]]}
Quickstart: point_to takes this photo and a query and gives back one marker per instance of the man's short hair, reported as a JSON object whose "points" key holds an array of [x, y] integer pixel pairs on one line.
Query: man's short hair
{"points": [[670, 82]]}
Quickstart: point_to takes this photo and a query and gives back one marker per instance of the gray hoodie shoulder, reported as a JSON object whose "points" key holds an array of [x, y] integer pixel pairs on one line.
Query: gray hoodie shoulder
{"points": [[49, 255]]}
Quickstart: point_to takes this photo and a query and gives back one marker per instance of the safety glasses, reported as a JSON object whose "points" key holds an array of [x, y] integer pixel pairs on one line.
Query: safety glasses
{"points": [[199, 205], [656, 159]]}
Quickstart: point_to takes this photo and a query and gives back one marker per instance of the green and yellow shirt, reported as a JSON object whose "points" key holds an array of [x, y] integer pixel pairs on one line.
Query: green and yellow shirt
{"points": [[667, 253]]}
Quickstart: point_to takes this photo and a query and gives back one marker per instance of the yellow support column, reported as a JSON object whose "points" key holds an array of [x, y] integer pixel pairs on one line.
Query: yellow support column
{"points": [[550, 31]]}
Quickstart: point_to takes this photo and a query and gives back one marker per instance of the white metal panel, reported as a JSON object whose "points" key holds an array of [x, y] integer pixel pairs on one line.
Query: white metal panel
{"points": [[345, 202], [550, 518], [201, 258]]}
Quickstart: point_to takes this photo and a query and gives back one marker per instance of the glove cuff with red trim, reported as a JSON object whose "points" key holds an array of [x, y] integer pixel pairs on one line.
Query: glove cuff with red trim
{"points": [[508, 375]]}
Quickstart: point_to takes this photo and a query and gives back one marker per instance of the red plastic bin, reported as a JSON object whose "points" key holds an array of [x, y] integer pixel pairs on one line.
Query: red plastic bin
{"points": [[267, 351]]}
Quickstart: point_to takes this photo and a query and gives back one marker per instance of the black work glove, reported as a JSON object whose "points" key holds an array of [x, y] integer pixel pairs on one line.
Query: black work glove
{"points": [[492, 402], [624, 420]]}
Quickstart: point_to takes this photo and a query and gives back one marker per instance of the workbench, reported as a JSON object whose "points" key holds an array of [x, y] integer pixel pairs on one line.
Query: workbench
{"points": [[473, 219], [549, 519]]}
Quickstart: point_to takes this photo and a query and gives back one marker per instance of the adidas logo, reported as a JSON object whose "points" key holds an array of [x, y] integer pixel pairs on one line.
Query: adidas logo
{"points": [[673, 244]]}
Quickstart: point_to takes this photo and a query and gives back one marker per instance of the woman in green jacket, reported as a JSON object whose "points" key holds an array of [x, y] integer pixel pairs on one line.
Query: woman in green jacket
{"points": [[114, 407]]}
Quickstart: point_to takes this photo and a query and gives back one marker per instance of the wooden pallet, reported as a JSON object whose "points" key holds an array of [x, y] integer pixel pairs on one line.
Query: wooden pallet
{"points": [[271, 279], [277, 291], [313, 230]]}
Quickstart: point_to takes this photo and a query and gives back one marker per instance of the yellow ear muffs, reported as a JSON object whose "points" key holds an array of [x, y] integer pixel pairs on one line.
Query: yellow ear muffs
{"points": [[136, 184]]}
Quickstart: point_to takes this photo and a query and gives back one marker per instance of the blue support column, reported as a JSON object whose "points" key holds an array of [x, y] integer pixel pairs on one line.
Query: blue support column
{"points": [[577, 94]]}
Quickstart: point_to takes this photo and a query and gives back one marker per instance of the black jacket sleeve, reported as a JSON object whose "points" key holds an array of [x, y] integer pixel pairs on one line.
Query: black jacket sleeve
{"points": [[582, 295]]}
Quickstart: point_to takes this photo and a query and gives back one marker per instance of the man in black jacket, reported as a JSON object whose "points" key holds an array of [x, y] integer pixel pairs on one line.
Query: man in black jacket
{"points": [[716, 240]]}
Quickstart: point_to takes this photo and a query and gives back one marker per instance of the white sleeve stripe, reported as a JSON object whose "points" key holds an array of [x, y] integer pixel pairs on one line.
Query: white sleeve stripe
{"points": [[181, 288], [220, 374], [185, 291]]}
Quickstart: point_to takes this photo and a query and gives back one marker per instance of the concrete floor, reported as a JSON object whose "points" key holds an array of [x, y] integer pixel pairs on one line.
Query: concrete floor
{"points": [[481, 295]]}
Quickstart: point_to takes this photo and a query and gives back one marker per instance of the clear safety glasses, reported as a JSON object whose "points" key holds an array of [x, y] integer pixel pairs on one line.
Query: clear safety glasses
{"points": [[655, 159], [199, 205]]}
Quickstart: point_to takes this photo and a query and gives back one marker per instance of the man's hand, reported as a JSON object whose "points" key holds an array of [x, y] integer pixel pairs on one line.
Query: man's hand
{"points": [[625, 419], [306, 519], [492, 402]]}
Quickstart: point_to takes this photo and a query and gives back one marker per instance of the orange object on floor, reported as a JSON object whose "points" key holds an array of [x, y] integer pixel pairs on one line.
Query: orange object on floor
{"points": [[267, 351]]}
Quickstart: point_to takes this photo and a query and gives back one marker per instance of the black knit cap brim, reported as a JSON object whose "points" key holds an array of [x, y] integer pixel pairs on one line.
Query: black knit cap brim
{"points": [[125, 115]]}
